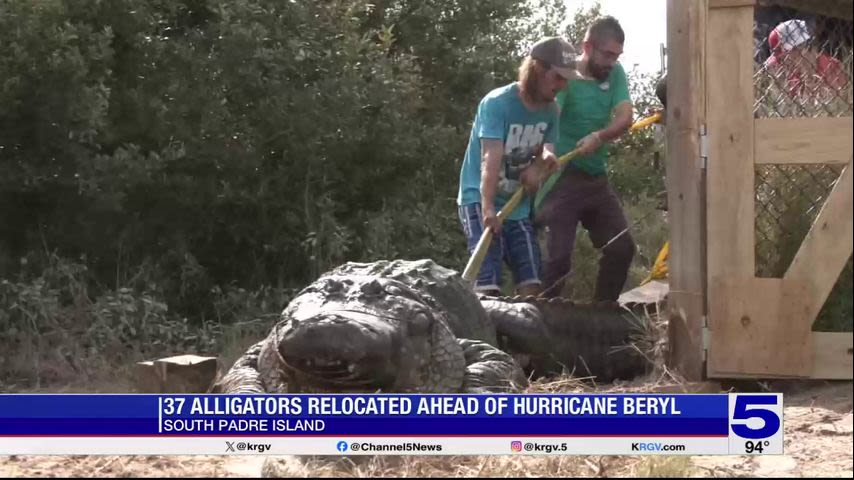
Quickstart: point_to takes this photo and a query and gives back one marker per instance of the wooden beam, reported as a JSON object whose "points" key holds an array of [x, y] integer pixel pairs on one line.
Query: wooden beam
{"points": [[831, 358], [827, 246], [730, 3], [686, 40], [730, 172], [832, 355], [803, 140], [730, 193], [759, 330]]}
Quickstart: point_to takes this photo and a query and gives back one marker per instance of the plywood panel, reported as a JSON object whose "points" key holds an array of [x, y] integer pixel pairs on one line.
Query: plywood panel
{"points": [[759, 329], [831, 358], [832, 355]]}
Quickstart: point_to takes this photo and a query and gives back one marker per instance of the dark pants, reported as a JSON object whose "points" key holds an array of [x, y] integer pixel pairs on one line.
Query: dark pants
{"points": [[579, 197]]}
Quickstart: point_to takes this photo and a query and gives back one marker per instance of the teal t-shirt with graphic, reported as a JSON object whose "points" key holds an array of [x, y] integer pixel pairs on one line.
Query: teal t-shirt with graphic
{"points": [[586, 106], [501, 115]]}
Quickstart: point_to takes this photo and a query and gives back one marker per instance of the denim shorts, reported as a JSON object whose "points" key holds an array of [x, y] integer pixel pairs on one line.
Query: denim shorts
{"points": [[517, 245]]}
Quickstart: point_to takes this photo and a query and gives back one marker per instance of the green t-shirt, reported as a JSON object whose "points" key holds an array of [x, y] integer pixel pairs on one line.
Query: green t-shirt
{"points": [[586, 106]]}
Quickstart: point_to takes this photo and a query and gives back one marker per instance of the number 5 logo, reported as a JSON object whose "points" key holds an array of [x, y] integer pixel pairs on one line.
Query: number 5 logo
{"points": [[750, 406]]}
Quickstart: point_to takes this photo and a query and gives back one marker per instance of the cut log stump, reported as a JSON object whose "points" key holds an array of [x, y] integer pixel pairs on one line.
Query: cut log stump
{"points": [[178, 374]]}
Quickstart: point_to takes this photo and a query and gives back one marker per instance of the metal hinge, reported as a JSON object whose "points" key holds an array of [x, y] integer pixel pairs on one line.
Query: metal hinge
{"points": [[704, 147]]}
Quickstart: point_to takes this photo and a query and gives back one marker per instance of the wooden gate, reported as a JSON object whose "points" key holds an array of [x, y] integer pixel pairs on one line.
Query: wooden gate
{"points": [[725, 320]]}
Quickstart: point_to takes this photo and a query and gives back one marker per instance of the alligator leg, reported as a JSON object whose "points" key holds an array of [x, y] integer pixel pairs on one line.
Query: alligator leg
{"points": [[520, 326], [243, 376], [489, 370]]}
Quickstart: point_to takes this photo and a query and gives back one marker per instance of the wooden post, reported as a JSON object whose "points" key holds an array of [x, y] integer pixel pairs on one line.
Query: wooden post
{"points": [[737, 322], [686, 40], [729, 122]]}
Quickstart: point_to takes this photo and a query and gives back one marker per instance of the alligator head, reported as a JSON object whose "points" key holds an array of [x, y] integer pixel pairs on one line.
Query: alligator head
{"points": [[363, 333]]}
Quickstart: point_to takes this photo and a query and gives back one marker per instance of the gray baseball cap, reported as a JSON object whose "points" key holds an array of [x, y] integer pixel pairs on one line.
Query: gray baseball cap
{"points": [[558, 54]]}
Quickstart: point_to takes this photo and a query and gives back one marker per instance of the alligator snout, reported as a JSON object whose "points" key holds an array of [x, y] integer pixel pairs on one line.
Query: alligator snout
{"points": [[346, 349]]}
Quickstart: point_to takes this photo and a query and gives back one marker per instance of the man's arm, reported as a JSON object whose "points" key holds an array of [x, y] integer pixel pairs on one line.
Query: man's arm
{"points": [[491, 154], [546, 164], [620, 123]]}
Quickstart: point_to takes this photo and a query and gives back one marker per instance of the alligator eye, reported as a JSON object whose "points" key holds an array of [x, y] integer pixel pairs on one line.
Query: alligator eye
{"points": [[394, 290], [372, 288], [420, 323], [403, 292]]}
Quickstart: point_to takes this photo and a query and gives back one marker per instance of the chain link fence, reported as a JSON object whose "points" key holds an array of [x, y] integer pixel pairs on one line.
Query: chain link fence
{"points": [[803, 65]]}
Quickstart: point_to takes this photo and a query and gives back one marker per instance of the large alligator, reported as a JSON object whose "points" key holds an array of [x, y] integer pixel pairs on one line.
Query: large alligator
{"points": [[414, 326]]}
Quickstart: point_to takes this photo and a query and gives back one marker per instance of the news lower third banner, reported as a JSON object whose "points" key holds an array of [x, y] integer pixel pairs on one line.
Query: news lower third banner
{"points": [[391, 424]]}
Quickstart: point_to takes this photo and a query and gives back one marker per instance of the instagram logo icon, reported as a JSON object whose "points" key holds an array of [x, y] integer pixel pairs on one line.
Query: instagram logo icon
{"points": [[516, 446]]}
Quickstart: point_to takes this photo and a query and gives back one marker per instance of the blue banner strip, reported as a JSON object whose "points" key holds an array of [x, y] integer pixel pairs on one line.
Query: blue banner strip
{"points": [[168, 415], [378, 427], [148, 406]]}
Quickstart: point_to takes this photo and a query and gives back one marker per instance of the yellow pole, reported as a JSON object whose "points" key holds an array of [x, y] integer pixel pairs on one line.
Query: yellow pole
{"points": [[646, 121]]}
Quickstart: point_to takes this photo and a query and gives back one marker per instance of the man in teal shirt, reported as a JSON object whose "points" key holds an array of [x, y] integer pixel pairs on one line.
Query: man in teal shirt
{"points": [[514, 125], [594, 110]]}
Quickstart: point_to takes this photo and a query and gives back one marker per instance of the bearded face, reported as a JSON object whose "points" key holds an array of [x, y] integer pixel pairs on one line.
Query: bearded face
{"points": [[601, 57]]}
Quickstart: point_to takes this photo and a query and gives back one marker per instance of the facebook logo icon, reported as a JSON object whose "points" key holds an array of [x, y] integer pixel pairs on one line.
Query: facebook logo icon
{"points": [[342, 446]]}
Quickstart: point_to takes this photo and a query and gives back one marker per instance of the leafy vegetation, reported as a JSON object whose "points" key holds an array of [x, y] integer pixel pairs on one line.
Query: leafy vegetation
{"points": [[174, 171]]}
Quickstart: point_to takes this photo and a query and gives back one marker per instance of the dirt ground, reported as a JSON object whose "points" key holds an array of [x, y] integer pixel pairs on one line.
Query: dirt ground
{"points": [[817, 421], [818, 443]]}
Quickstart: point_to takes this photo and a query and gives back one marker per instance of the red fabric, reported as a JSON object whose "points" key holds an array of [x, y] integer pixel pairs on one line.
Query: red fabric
{"points": [[827, 68], [831, 71], [774, 41]]}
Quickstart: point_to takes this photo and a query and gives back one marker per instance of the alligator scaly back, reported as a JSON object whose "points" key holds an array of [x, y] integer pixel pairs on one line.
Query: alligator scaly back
{"points": [[385, 326], [441, 287]]}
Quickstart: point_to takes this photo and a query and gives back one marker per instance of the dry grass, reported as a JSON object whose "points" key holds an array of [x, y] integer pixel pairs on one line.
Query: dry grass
{"points": [[664, 467], [500, 466], [128, 466]]}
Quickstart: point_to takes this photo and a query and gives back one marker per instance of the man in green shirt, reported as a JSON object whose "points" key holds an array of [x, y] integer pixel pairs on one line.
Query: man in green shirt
{"points": [[594, 109]]}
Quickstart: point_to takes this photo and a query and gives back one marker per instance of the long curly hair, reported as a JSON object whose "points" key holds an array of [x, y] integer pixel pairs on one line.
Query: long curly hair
{"points": [[530, 73]]}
